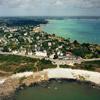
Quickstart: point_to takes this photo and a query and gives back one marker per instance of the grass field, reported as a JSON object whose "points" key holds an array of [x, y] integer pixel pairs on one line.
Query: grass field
{"points": [[14, 64]]}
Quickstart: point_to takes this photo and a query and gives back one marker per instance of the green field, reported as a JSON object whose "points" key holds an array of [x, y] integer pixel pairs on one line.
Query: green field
{"points": [[15, 64]]}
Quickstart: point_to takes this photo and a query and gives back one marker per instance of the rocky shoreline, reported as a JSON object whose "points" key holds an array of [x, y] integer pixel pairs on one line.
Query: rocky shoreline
{"points": [[19, 81], [12, 84]]}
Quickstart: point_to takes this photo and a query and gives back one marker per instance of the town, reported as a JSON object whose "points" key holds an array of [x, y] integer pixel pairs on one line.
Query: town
{"points": [[31, 41]]}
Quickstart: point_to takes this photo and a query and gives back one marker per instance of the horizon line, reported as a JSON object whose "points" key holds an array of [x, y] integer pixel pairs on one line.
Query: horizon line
{"points": [[50, 16]]}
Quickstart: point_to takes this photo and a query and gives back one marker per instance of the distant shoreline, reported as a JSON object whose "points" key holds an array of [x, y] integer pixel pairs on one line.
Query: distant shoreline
{"points": [[86, 17], [62, 27]]}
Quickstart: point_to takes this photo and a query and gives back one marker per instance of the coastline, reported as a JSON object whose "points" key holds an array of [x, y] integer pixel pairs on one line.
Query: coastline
{"points": [[53, 27], [18, 81], [11, 84]]}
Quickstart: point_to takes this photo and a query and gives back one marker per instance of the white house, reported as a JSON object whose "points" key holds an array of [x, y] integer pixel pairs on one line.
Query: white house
{"points": [[37, 29], [49, 44], [15, 52], [52, 56], [13, 29], [30, 53], [40, 53]]}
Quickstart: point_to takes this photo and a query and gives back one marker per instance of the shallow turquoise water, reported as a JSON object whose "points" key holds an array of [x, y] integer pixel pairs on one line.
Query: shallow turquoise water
{"points": [[83, 30], [57, 91]]}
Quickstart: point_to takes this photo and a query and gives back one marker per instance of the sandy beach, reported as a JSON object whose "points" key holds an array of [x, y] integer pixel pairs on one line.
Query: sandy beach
{"points": [[62, 73]]}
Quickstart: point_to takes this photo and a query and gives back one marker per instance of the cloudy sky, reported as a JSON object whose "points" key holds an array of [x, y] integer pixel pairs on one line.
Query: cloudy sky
{"points": [[49, 7]]}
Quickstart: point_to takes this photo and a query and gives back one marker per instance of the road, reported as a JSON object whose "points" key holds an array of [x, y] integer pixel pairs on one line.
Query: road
{"points": [[94, 59], [55, 61]]}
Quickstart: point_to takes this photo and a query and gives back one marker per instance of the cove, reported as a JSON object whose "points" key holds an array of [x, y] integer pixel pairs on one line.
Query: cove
{"points": [[59, 90]]}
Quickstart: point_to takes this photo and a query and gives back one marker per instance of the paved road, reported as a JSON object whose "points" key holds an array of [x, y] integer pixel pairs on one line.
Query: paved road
{"points": [[57, 61], [94, 59]]}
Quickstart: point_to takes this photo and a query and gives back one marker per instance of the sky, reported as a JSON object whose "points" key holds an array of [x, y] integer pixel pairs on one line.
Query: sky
{"points": [[49, 7]]}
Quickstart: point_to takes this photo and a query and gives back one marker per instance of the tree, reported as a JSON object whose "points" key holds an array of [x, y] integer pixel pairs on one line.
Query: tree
{"points": [[55, 56], [76, 43]]}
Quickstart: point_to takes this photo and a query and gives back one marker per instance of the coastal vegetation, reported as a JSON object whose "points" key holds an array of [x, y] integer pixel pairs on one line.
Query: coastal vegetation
{"points": [[88, 65], [22, 21], [15, 64]]}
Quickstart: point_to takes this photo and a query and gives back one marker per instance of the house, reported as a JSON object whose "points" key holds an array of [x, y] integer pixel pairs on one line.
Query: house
{"points": [[2, 40], [40, 53], [37, 29], [52, 56], [30, 53], [6, 30], [68, 54], [70, 62], [49, 44], [13, 30], [22, 51], [14, 52], [25, 34]]}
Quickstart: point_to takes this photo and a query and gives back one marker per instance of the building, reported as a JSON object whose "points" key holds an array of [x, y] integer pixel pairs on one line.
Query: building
{"points": [[40, 53], [52, 56], [14, 52], [37, 29]]}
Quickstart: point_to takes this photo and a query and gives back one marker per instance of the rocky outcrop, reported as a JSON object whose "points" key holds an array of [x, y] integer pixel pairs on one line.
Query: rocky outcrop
{"points": [[9, 87], [35, 78]]}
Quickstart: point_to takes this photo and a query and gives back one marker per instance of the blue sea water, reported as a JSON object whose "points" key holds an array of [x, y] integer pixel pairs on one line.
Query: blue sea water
{"points": [[83, 30]]}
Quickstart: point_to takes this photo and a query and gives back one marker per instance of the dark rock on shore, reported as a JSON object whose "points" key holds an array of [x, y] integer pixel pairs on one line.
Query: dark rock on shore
{"points": [[11, 85]]}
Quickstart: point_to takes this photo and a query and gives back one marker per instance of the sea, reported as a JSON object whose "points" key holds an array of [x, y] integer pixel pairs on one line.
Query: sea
{"points": [[83, 30], [59, 91]]}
